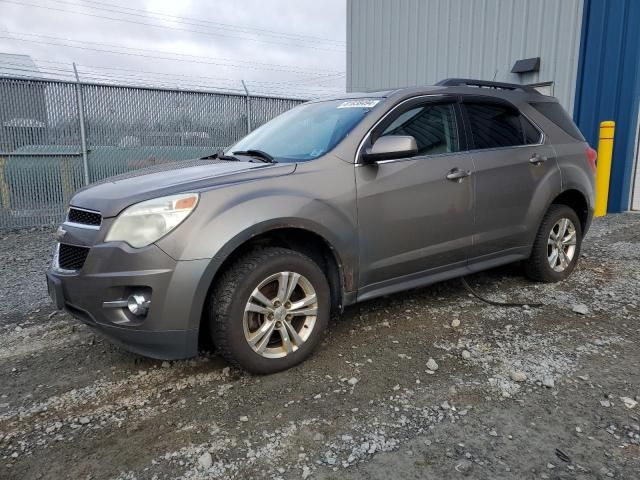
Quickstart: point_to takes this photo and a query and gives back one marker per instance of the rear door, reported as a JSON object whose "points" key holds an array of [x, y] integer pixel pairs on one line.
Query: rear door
{"points": [[412, 218], [515, 175]]}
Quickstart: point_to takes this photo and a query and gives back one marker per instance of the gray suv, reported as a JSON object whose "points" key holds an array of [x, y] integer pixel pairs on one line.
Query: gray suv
{"points": [[334, 202]]}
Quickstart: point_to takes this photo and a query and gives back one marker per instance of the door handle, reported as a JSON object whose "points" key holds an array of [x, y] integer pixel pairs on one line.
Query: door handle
{"points": [[457, 175], [537, 159]]}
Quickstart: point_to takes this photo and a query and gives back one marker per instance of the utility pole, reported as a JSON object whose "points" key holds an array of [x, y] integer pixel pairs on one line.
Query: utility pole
{"points": [[83, 136], [248, 106]]}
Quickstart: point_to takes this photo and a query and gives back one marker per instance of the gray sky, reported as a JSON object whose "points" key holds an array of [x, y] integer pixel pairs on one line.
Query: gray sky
{"points": [[297, 45]]}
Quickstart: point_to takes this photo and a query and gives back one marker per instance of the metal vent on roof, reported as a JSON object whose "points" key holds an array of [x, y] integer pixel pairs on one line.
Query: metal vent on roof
{"points": [[526, 65]]}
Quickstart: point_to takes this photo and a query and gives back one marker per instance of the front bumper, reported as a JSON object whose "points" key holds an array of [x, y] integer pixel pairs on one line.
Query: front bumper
{"points": [[112, 272]]}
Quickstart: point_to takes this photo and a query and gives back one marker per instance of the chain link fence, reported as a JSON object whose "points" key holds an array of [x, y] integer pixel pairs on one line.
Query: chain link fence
{"points": [[57, 135]]}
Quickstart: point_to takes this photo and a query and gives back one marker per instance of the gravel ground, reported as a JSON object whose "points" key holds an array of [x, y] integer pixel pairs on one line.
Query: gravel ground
{"points": [[430, 383], [24, 257]]}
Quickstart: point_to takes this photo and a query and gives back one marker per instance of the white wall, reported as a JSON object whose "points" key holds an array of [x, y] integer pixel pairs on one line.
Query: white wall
{"points": [[396, 43]]}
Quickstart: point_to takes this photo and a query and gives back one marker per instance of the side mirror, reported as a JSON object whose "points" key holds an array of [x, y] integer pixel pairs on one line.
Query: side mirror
{"points": [[390, 147]]}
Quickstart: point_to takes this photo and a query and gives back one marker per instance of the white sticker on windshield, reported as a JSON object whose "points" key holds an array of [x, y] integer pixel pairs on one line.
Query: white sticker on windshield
{"points": [[361, 103]]}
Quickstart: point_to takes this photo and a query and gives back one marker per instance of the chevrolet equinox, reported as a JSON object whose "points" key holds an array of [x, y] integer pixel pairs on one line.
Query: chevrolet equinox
{"points": [[334, 202]]}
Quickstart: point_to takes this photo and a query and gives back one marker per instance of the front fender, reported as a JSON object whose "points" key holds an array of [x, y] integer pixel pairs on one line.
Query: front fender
{"points": [[228, 217], [226, 227], [346, 267]]}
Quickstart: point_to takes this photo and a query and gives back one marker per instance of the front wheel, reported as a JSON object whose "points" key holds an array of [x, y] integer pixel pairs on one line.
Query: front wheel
{"points": [[269, 310], [557, 245]]}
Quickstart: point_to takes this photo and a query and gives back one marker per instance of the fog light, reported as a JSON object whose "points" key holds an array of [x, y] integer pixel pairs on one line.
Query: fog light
{"points": [[138, 304]]}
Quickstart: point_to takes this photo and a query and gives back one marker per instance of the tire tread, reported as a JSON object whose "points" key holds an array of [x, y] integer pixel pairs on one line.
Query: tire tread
{"points": [[536, 266], [225, 289]]}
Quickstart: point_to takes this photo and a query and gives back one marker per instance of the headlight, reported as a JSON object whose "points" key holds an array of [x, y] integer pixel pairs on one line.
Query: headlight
{"points": [[145, 222]]}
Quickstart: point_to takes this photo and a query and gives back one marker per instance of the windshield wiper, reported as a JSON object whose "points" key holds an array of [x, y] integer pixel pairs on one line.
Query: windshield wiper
{"points": [[220, 156], [259, 154]]}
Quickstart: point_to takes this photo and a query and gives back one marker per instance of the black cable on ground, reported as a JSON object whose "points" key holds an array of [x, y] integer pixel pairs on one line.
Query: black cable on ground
{"points": [[468, 288]]}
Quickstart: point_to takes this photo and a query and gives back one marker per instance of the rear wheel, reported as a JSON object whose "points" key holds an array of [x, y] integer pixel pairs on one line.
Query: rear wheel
{"points": [[269, 310], [557, 245]]}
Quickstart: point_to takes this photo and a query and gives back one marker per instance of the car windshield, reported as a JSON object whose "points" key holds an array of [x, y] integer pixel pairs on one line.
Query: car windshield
{"points": [[307, 131]]}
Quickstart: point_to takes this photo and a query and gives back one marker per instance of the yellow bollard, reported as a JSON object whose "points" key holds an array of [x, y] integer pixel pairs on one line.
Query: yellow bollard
{"points": [[603, 171]]}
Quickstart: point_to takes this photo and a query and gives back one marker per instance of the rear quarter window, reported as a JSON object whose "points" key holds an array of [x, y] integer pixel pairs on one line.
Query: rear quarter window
{"points": [[554, 112], [497, 126], [494, 126], [531, 134]]}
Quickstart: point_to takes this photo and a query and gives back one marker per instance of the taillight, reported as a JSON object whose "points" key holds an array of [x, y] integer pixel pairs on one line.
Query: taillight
{"points": [[592, 157]]}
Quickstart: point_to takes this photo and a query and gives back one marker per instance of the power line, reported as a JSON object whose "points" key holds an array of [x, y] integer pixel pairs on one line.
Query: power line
{"points": [[233, 62], [320, 81], [196, 83], [147, 82], [23, 74], [254, 65], [209, 23], [314, 80], [166, 27], [181, 80], [261, 82]]}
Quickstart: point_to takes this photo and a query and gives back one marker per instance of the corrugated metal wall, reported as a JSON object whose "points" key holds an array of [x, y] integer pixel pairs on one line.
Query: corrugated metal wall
{"points": [[395, 43]]}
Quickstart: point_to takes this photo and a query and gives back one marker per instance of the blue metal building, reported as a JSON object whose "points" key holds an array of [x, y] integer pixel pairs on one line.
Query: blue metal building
{"points": [[588, 51], [608, 88]]}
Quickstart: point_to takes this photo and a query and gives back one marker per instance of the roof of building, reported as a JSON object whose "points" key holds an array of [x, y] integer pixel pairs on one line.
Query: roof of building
{"points": [[18, 66]]}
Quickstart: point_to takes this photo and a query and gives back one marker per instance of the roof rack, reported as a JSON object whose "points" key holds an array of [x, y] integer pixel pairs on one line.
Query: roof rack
{"points": [[467, 82]]}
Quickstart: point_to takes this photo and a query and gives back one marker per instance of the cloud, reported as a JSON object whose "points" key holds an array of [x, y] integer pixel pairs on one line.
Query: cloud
{"points": [[277, 33]]}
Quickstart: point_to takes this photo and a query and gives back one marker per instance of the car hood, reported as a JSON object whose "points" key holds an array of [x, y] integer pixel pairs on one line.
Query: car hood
{"points": [[112, 195]]}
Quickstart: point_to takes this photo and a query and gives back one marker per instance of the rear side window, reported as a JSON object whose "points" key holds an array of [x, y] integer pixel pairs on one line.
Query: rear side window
{"points": [[433, 127], [497, 126], [554, 112]]}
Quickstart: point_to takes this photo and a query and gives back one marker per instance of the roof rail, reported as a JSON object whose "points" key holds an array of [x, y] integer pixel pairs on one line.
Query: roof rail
{"points": [[467, 82]]}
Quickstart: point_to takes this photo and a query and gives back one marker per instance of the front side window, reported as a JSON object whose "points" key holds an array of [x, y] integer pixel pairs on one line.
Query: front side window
{"points": [[307, 131], [433, 126]]}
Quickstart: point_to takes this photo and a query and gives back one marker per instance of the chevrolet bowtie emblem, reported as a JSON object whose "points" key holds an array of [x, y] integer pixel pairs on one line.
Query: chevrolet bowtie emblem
{"points": [[60, 233]]}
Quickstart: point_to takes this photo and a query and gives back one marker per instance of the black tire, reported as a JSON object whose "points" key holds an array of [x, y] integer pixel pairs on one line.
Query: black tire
{"points": [[234, 288], [537, 266]]}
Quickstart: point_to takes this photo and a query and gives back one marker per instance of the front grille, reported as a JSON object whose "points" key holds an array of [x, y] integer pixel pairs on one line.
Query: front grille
{"points": [[84, 217], [71, 257]]}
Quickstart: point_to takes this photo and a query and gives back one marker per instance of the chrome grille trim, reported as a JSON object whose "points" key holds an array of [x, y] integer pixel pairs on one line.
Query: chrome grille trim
{"points": [[83, 218]]}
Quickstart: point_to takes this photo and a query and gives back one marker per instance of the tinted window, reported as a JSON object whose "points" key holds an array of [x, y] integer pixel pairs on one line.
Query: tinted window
{"points": [[494, 126], [531, 134], [554, 112], [433, 126]]}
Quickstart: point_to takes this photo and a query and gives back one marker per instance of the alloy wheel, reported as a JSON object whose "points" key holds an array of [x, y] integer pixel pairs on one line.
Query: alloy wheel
{"points": [[561, 245], [280, 314]]}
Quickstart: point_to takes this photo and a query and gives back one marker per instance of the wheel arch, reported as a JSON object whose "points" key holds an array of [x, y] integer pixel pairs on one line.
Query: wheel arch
{"points": [[578, 202], [301, 237]]}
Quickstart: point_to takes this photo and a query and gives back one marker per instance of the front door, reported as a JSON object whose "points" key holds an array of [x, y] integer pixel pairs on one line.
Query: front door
{"points": [[415, 215]]}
